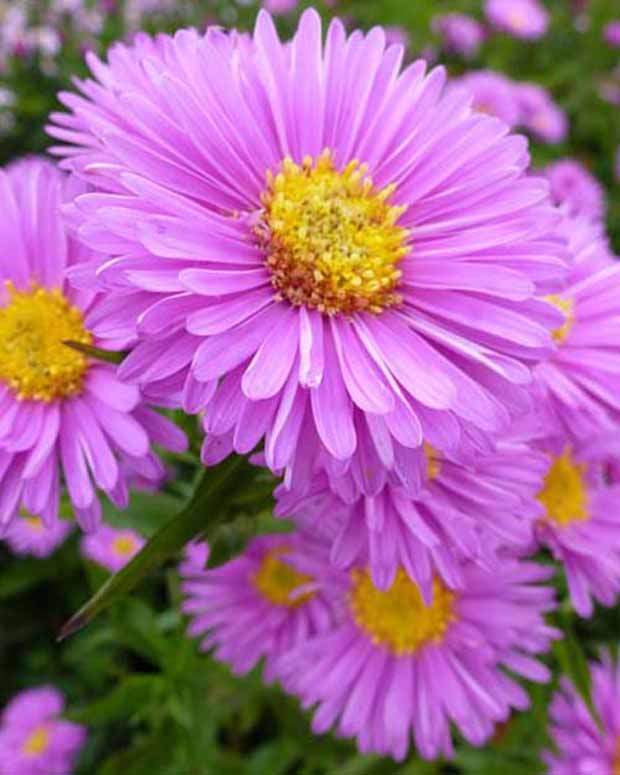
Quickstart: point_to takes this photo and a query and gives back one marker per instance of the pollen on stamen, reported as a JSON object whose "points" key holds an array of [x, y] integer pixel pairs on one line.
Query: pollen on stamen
{"points": [[564, 494], [278, 582], [398, 618], [331, 239], [567, 308], [34, 361]]}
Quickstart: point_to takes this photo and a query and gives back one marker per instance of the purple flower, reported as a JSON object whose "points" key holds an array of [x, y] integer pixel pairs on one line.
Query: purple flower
{"points": [[580, 520], [464, 509], [111, 548], [62, 415], [285, 267], [260, 604], [582, 746], [33, 740], [611, 33], [396, 36], [493, 94], [579, 385], [460, 34], [393, 667], [575, 189], [526, 19], [28, 535], [280, 6], [540, 115]]}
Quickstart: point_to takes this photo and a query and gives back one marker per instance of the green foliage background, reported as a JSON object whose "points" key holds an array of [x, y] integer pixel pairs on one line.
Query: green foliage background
{"points": [[153, 703]]}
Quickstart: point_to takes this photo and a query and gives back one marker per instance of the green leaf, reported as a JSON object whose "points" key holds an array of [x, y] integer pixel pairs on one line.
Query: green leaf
{"points": [[97, 353], [136, 694], [202, 514]]}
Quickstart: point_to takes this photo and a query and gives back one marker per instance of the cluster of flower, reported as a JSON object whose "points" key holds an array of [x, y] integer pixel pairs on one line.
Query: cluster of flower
{"points": [[355, 268]]}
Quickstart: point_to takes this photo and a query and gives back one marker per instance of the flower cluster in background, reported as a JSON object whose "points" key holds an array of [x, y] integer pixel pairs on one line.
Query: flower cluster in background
{"points": [[334, 308]]}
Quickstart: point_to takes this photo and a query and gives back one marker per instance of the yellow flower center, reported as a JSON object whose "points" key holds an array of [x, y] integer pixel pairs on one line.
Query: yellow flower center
{"points": [[398, 618], [34, 523], [34, 362], [37, 742], [331, 238], [124, 545], [433, 461], [564, 493], [567, 308], [277, 581]]}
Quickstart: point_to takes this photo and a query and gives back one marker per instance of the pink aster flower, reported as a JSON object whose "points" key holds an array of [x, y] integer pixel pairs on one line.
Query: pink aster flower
{"points": [[579, 385], [460, 34], [280, 6], [393, 667], [260, 604], [521, 18], [33, 739], [311, 247], [463, 510], [580, 520], [540, 115], [111, 548], [575, 189], [582, 747], [397, 36], [62, 415], [493, 94], [611, 33], [28, 535]]}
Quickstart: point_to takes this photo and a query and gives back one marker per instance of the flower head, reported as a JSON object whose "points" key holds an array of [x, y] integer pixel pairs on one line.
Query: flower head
{"points": [[582, 746], [28, 535], [284, 267], [521, 18], [260, 604], [463, 508], [111, 548], [394, 666], [63, 415], [580, 521], [460, 34], [575, 189], [540, 115], [611, 33], [33, 740], [578, 385], [493, 93]]}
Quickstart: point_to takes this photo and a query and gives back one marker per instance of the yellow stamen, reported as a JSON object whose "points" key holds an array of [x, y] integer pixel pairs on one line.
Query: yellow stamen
{"points": [[331, 238], [37, 742], [124, 545], [564, 494], [399, 618], [433, 461], [34, 362], [34, 523], [567, 308], [277, 581]]}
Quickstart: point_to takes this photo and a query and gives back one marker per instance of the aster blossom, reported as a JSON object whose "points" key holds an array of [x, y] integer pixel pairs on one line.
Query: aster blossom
{"points": [[111, 548], [27, 535], [579, 385], [393, 667], [258, 605], [62, 415], [583, 747], [460, 34], [526, 19], [580, 519], [575, 189], [464, 507], [33, 739], [286, 235]]}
